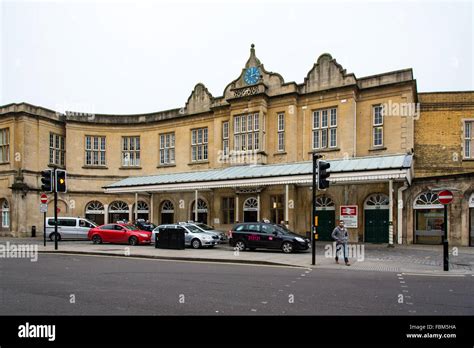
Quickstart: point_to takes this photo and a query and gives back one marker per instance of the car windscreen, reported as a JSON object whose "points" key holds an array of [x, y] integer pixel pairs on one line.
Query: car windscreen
{"points": [[131, 227], [205, 227], [194, 229]]}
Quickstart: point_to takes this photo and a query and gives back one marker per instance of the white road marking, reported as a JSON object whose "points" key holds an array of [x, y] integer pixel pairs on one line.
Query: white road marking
{"points": [[435, 275]]}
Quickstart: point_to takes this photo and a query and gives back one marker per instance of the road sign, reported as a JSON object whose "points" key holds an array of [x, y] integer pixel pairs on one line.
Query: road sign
{"points": [[58, 210], [348, 214], [445, 197], [43, 208], [44, 198]]}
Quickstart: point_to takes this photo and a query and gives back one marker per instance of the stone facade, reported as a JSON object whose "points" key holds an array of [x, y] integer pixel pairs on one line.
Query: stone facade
{"points": [[327, 86]]}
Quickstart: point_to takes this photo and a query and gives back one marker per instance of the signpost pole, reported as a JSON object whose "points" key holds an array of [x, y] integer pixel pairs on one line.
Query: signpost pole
{"points": [[313, 215], [55, 212], [44, 228], [445, 240]]}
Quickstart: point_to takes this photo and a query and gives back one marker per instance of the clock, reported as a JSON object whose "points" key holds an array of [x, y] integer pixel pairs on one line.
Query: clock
{"points": [[252, 75]]}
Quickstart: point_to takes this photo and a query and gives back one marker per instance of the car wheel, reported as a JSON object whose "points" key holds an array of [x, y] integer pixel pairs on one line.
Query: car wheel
{"points": [[133, 240], [51, 237], [240, 245], [287, 247], [196, 243], [96, 239]]}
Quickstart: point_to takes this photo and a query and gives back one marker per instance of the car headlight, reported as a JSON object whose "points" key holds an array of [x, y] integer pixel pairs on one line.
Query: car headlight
{"points": [[144, 235], [298, 239]]}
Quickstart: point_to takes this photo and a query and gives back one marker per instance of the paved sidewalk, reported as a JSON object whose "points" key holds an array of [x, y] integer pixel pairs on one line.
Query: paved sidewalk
{"points": [[372, 257]]}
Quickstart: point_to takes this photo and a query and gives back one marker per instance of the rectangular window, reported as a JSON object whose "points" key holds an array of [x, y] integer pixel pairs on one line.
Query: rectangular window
{"points": [[325, 128], [469, 139], [281, 132], [56, 149], [225, 138], [246, 132], [228, 210], [377, 132], [199, 139], [4, 145], [95, 150], [130, 151], [167, 152]]}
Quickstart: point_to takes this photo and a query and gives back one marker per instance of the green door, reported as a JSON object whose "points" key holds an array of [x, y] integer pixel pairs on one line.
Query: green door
{"points": [[376, 225], [326, 223]]}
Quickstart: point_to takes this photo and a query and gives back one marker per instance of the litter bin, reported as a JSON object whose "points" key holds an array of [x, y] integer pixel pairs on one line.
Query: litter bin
{"points": [[33, 231], [170, 238]]}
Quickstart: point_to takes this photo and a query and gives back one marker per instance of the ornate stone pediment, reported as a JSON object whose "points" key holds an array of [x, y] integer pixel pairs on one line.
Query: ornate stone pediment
{"points": [[200, 100], [326, 73]]}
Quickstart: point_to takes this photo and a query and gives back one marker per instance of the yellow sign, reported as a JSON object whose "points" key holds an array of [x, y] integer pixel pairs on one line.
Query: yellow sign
{"points": [[315, 221]]}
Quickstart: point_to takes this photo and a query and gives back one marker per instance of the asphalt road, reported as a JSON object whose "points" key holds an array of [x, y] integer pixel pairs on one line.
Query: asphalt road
{"points": [[75, 285]]}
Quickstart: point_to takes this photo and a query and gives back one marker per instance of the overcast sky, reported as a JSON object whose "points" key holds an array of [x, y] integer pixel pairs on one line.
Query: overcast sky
{"points": [[142, 56]]}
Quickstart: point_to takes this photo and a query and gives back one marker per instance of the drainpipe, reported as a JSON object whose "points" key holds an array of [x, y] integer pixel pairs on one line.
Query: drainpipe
{"points": [[354, 152], [400, 212], [286, 205], [237, 207], [390, 213], [136, 207], [195, 205], [258, 205]]}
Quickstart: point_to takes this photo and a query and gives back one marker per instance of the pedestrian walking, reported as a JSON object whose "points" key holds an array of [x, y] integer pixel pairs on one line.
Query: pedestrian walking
{"points": [[341, 236]]}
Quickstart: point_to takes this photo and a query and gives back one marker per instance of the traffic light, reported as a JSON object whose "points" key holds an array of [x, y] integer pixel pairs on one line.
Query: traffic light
{"points": [[47, 180], [323, 174], [61, 180]]}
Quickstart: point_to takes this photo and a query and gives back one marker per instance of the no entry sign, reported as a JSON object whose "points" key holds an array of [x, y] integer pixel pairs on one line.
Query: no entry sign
{"points": [[445, 197], [44, 198]]}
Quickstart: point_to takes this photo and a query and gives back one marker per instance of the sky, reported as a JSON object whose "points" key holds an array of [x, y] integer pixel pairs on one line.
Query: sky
{"points": [[130, 57]]}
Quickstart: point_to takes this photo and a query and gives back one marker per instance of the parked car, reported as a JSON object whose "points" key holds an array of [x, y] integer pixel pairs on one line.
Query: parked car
{"points": [[221, 235], [119, 234], [69, 227], [144, 225], [193, 236], [253, 235]]}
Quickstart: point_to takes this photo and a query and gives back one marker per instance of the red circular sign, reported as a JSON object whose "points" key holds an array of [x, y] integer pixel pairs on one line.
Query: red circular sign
{"points": [[445, 197], [44, 198]]}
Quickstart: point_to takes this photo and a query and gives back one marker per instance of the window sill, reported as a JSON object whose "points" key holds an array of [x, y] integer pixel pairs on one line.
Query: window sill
{"points": [[379, 148], [4, 163], [129, 167], [468, 159], [280, 153], [166, 165], [198, 162], [330, 149], [51, 165], [95, 167]]}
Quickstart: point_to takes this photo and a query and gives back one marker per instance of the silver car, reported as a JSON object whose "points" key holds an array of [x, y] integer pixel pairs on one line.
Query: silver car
{"points": [[222, 237], [193, 236]]}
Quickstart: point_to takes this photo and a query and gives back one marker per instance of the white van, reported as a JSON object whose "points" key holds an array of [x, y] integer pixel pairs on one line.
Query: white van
{"points": [[69, 227]]}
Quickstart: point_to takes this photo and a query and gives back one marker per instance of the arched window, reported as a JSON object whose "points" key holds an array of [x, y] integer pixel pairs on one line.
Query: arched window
{"points": [[142, 207], [377, 201], [118, 211], [427, 200], [167, 212], [94, 207], [429, 218], [251, 204], [167, 207], [118, 207], [201, 211], [95, 212], [325, 202], [5, 214]]}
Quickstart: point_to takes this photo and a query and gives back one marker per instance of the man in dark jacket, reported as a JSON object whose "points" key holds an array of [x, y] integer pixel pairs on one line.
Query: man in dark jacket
{"points": [[341, 237]]}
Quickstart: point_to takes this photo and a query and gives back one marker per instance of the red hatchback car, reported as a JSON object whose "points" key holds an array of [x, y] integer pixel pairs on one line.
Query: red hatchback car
{"points": [[119, 234]]}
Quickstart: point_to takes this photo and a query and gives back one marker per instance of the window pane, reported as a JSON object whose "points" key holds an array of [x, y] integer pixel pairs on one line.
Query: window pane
{"points": [[249, 123], [333, 137], [193, 137], [249, 141], [324, 118], [102, 143], [333, 117], [467, 130], [467, 148], [324, 138], [205, 151], [237, 124], [316, 140], [315, 119], [256, 125], [244, 124], [205, 135]]}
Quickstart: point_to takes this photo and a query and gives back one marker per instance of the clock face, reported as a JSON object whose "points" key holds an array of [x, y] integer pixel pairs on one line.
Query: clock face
{"points": [[252, 75]]}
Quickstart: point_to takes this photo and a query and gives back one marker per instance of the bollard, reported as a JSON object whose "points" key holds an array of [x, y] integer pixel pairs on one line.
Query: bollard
{"points": [[33, 231]]}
